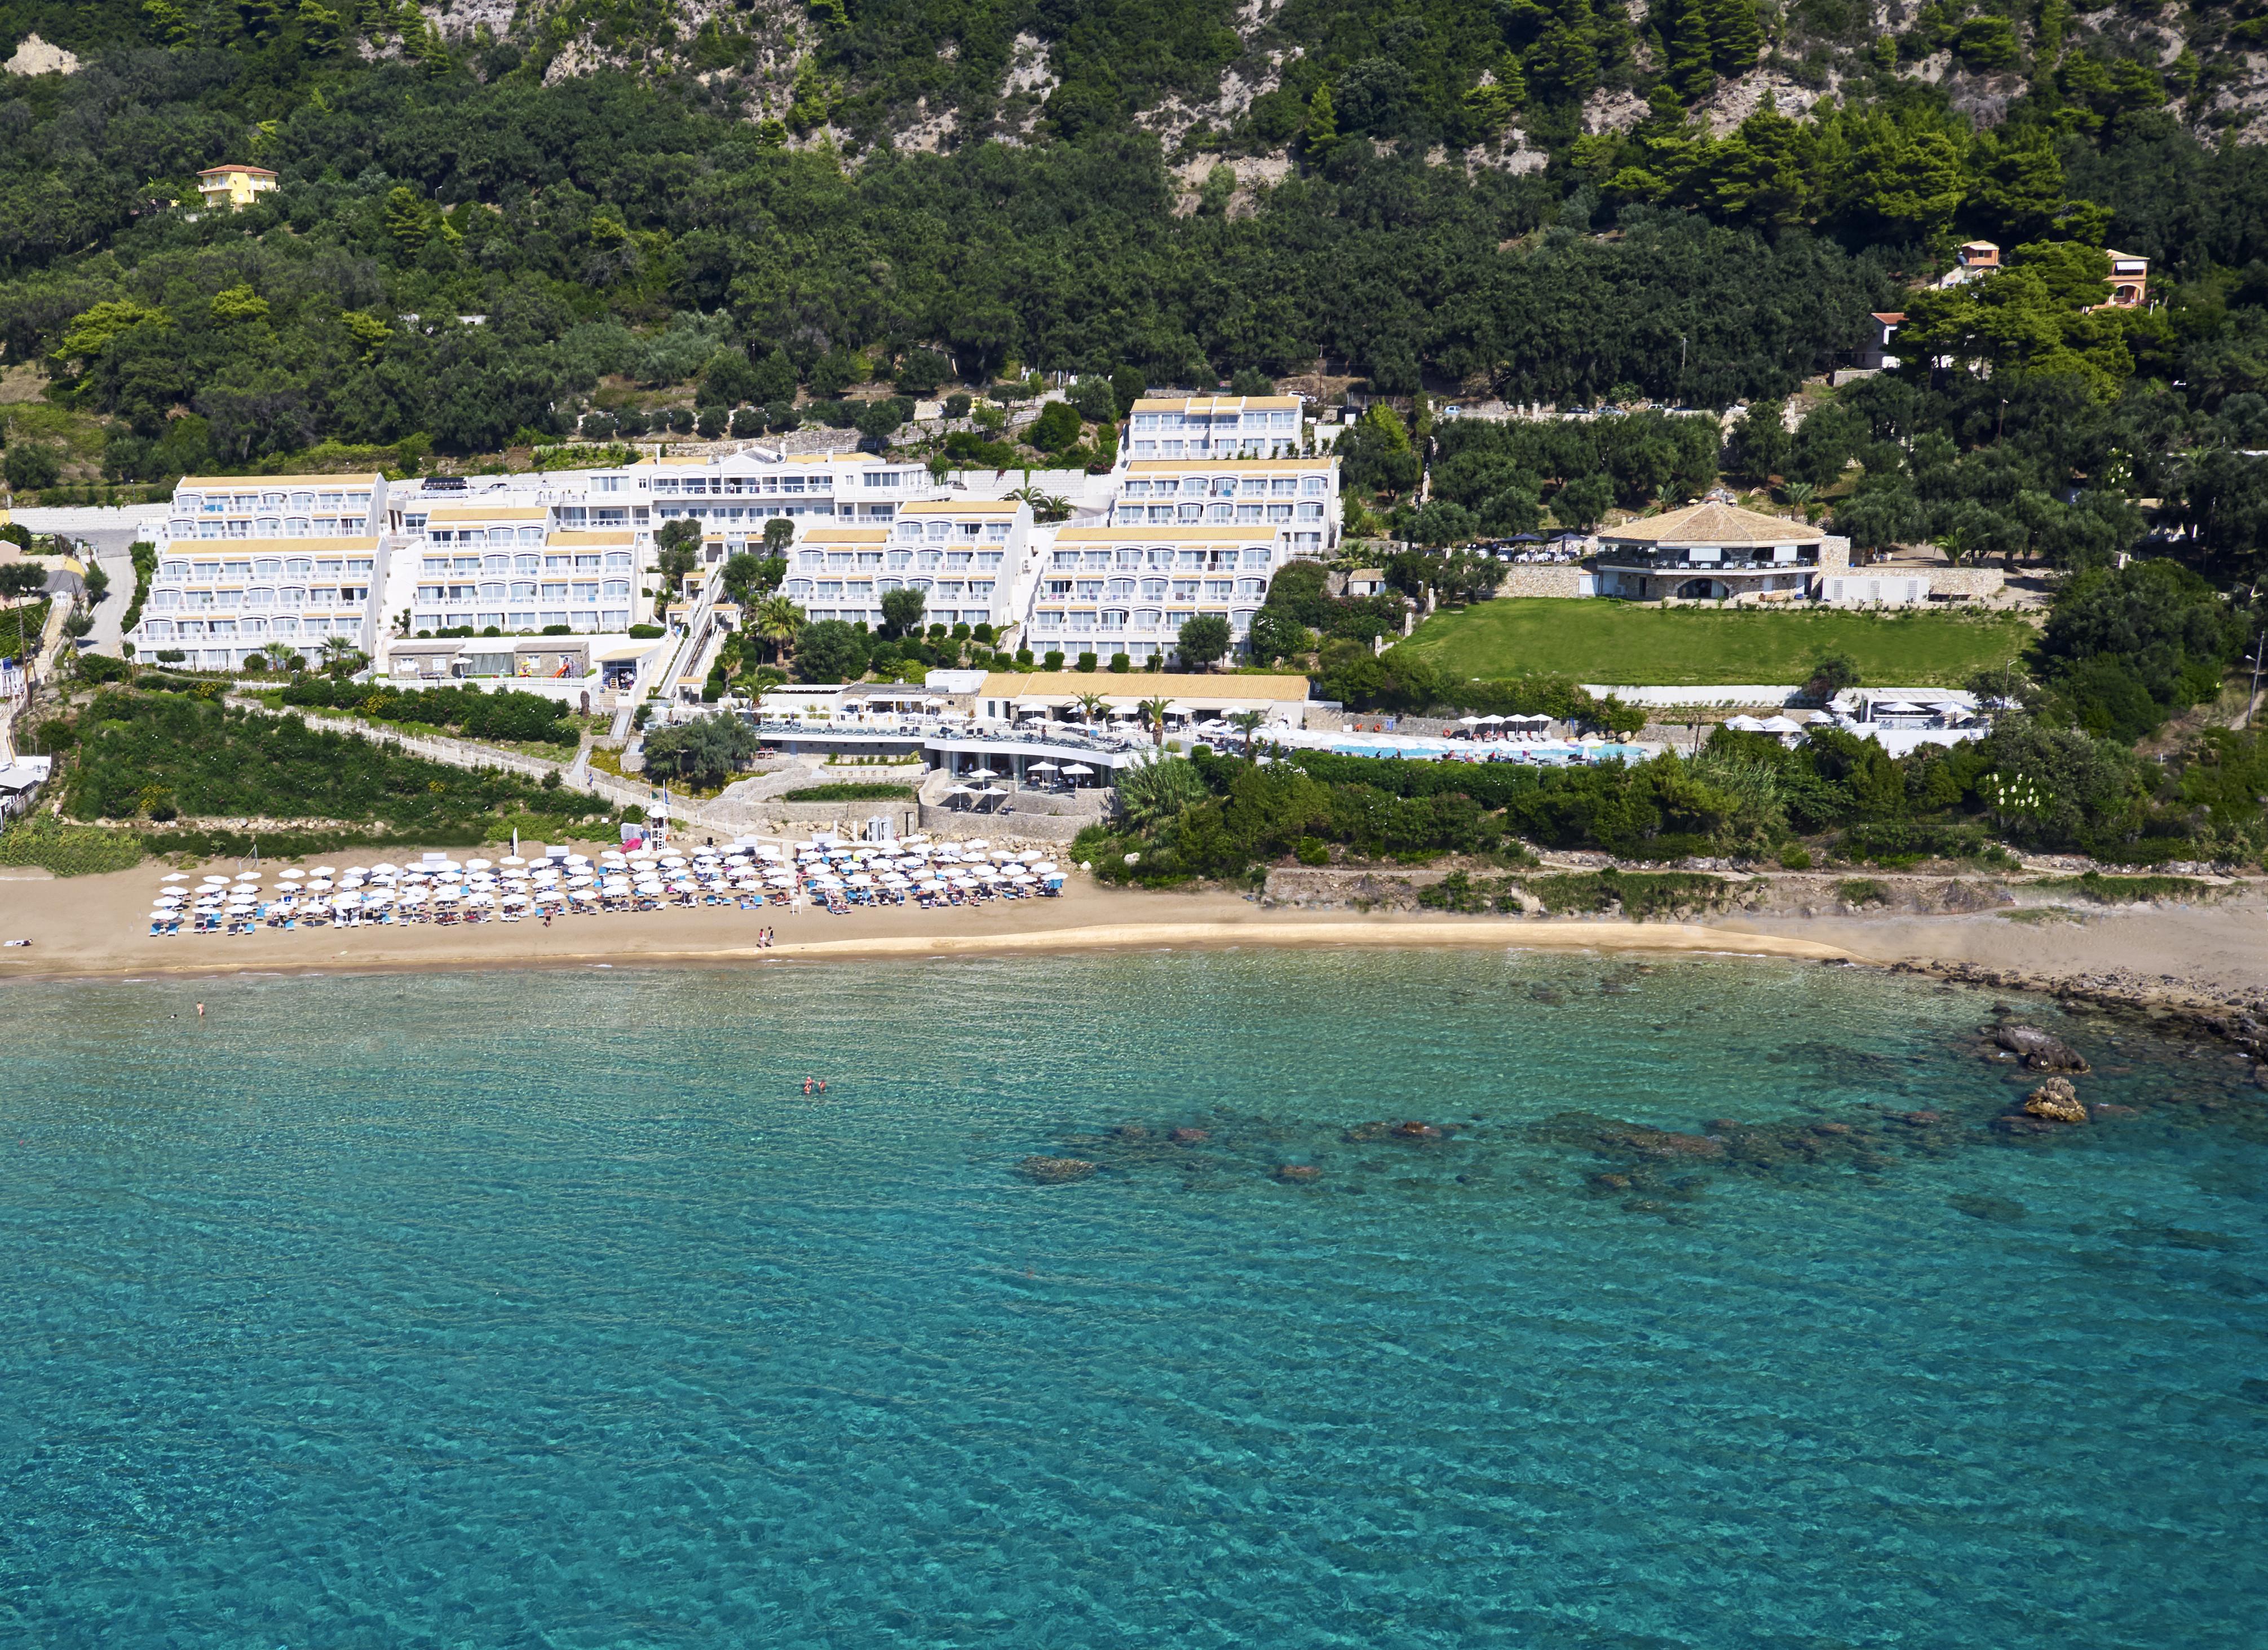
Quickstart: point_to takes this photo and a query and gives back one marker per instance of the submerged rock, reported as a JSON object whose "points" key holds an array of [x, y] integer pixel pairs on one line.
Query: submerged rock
{"points": [[1188, 1137], [1416, 1131], [2040, 1051], [2055, 1100], [1979, 1206], [1664, 1143], [1298, 1174], [1053, 1171]]}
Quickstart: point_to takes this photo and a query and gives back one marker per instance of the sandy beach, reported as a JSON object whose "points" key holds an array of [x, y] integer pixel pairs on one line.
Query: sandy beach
{"points": [[97, 925]]}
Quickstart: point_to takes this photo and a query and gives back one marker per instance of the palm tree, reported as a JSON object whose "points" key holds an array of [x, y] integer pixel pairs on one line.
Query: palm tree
{"points": [[1801, 494], [1153, 714], [1248, 722], [1090, 705], [1046, 507], [778, 621]]}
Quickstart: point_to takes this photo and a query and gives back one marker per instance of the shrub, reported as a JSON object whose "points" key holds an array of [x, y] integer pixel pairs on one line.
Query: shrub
{"points": [[68, 850], [851, 791]]}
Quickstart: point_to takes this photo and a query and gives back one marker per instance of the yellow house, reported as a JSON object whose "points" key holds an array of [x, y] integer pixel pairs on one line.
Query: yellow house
{"points": [[233, 187]]}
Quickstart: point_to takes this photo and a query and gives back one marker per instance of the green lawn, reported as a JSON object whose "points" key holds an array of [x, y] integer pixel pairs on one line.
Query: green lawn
{"points": [[1614, 642]]}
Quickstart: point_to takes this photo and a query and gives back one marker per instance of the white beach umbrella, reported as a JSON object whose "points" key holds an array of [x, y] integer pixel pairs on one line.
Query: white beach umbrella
{"points": [[1078, 767], [212, 882], [174, 876], [512, 859], [386, 865], [977, 843], [479, 864]]}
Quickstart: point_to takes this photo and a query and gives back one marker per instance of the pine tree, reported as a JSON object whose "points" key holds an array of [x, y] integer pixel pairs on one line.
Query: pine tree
{"points": [[1735, 38], [1688, 50], [1322, 134]]}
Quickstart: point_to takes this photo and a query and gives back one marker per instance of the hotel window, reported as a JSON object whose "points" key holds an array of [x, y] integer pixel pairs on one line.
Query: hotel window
{"points": [[1219, 589], [1120, 588], [298, 528], [587, 593], [268, 527], [1224, 486], [1312, 485], [1245, 512], [1059, 586], [298, 565], [1185, 590], [1251, 587], [615, 589], [618, 561], [554, 593], [1278, 513], [1311, 513], [1047, 621], [291, 598], [524, 591], [1114, 619], [1082, 620], [259, 598], [1145, 619], [555, 616], [301, 501]]}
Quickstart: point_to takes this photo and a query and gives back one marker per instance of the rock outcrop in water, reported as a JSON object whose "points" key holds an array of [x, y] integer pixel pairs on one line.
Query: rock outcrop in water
{"points": [[2040, 1051], [1053, 1171], [2056, 1100]]}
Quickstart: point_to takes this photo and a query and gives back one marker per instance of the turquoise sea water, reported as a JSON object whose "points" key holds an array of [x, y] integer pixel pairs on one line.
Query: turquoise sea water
{"points": [[544, 1311]]}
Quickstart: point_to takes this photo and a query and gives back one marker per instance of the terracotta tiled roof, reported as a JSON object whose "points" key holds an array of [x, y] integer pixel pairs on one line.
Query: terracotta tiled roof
{"points": [[1713, 524]]}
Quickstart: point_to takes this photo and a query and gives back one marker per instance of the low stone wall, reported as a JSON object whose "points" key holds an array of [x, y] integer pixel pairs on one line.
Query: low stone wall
{"points": [[1012, 826], [1967, 581], [1551, 578]]}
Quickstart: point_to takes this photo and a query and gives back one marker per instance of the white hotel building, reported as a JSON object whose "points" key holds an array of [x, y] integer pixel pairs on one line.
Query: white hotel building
{"points": [[265, 566], [969, 558], [1214, 426], [1182, 537], [1211, 497]]}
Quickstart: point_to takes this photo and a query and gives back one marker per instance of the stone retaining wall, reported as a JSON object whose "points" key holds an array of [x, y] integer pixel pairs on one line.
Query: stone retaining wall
{"points": [[1547, 578]]}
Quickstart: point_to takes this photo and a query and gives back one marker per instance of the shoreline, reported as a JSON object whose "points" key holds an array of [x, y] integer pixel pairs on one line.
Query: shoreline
{"points": [[1382, 933], [2204, 965]]}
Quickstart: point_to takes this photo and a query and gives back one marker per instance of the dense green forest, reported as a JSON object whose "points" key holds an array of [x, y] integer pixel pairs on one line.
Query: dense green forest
{"points": [[732, 214]]}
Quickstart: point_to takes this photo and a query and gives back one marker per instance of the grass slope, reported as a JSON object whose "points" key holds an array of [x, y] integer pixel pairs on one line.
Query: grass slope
{"points": [[1614, 642]]}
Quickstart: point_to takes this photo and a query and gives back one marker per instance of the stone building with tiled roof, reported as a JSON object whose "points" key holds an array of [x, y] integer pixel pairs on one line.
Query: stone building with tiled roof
{"points": [[1716, 552]]}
